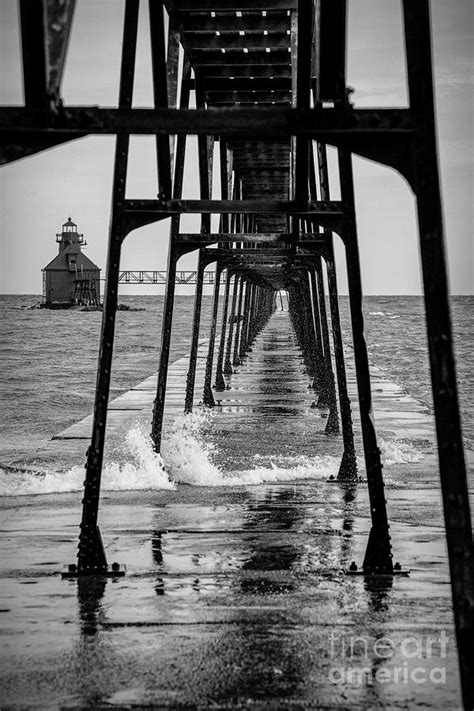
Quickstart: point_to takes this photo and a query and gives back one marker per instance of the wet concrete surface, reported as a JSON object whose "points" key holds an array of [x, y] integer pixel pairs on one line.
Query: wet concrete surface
{"points": [[236, 597], [232, 599]]}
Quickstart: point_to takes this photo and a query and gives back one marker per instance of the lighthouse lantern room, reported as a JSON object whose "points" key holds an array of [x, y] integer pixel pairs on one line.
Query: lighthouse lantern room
{"points": [[71, 278]]}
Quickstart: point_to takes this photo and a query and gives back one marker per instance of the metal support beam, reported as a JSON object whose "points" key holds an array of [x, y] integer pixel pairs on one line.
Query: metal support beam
{"points": [[302, 36], [160, 92], [168, 307], [208, 397], [226, 179], [378, 555], [191, 376], [173, 256], [332, 50], [348, 467], [243, 346], [452, 466], [34, 52], [316, 347], [204, 160], [91, 555], [220, 382], [332, 426], [227, 369], [238, 324]]}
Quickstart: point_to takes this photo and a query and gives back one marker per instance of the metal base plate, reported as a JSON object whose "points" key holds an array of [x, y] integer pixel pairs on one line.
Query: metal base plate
{"points": [[113, 571], [403, 573], [335, 480]]}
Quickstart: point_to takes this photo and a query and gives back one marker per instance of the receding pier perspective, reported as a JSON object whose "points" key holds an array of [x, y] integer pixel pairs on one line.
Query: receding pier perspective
{"points": [[281, 579]]}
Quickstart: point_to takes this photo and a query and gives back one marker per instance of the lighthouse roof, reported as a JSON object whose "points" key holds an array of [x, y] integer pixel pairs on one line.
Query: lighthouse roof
{"points": [[60, 262], [69, 223]]}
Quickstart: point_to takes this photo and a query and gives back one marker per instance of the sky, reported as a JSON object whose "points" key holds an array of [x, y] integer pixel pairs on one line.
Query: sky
{"points": [[39, 193]]}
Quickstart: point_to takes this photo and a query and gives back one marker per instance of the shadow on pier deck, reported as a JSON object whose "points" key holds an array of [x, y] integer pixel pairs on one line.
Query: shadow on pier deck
{"points": [[268, 79]]}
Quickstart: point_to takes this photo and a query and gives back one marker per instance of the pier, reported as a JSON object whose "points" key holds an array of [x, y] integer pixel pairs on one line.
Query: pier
{"points": [[160, 277], [240, 595], [268, 84]]}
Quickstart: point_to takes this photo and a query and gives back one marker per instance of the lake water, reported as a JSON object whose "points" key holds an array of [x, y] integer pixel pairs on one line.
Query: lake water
{"points": [[50, 359]]}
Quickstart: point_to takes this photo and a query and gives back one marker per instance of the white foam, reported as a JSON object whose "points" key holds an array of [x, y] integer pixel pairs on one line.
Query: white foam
{"points": [[389, 314], [16, 482], [144, 470], [398, 451], [297, 468], [187, 458]]}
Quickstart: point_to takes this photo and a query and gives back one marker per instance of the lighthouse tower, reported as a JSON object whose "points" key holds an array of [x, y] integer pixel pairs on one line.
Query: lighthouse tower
{"points": [[71, 278]]}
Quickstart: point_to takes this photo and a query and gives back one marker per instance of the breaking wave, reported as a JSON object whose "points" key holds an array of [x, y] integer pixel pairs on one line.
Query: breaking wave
{"points": [[187, 458], [399, 451]]}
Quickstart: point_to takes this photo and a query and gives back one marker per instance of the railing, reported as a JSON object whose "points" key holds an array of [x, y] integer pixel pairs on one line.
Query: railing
{"points": [[159, 277]]}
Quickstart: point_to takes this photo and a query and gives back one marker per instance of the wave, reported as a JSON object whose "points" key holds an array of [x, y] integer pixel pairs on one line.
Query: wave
{"points": [[187, 458], [399, 451]]}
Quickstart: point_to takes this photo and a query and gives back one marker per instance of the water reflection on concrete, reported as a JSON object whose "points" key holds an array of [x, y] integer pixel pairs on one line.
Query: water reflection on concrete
{"points": [[90, 591]]}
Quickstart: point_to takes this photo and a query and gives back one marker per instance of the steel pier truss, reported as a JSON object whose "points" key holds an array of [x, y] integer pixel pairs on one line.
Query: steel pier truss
{"points": [[160, 277], [269, 83]]}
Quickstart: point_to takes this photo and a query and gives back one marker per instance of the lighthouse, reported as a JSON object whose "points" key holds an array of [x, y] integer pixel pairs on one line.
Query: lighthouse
{"points": [[71, 278]]}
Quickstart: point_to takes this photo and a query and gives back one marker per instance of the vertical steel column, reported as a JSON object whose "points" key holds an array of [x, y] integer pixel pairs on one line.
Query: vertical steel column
{"points": [[252, 317], [238, 323], [301, 52], [223, 165], [208, 397], [172, 71], [239, 218], [307, 326], [204, 159], [258, 313], [378, 555], [228, 370], [295, 297], [443, 375], [317, 346], [245, 322], [332, 426], [191, 376], [220, 382], [294, 309], [325, 377], [159, 403], [305, 319], [34, 52], [91, 555], [173, 256], [160, 93], [348, 466]]}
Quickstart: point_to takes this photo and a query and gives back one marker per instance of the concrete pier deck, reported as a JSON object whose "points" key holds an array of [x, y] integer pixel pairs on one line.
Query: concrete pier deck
{"points": [[137, 404], [237, 596]]}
